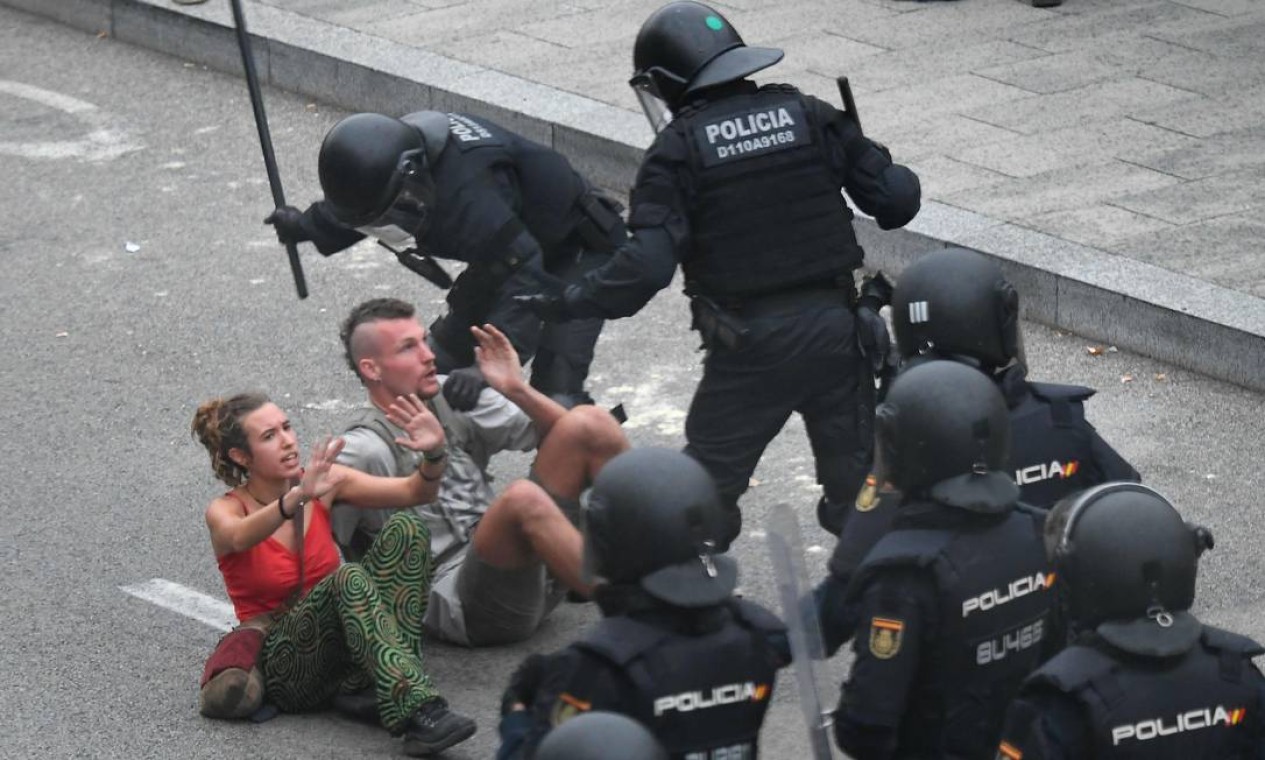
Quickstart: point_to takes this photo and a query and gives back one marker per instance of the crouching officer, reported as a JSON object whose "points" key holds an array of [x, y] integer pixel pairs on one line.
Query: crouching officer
{"points": [[459, 187], [1144, 678], [675, 650], [955, 304], [954, 601], [741, 187]]}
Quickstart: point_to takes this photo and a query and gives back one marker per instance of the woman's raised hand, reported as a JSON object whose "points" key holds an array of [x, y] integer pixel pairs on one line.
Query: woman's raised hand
{"points": [[422, 430], [318, 478]]}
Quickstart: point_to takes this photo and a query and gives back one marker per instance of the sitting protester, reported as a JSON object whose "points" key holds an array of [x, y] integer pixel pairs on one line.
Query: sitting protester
{"points": [[325, 623]]}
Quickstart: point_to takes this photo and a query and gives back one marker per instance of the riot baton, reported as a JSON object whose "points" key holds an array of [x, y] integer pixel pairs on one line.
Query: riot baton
{"points": [[786, 550], [849, 104], [265, 139]]}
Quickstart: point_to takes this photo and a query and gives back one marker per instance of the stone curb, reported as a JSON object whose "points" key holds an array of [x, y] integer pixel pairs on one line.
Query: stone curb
{"points": [[1130, 304]]}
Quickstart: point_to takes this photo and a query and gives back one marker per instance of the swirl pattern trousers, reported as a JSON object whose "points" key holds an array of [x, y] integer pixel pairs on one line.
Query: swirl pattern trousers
{"points": [[361, 624]]}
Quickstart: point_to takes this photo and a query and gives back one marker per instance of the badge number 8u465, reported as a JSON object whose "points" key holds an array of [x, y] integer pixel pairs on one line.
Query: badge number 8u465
{"points": [[885, 637]]}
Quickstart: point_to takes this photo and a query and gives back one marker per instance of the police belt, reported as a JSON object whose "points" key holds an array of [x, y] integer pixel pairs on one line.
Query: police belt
{"points": [[790, 299]]}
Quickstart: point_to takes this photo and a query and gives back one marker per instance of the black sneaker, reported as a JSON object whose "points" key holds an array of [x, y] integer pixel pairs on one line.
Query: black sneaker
{"points": [[434, 728]]}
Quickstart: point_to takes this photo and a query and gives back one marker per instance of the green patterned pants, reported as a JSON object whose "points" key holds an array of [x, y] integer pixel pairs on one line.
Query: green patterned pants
{"points": [[361, 624]]}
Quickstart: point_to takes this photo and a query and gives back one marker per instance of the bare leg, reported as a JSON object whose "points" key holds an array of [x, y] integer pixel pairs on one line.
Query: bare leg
{"points": [[524, 526], [577, 447]]}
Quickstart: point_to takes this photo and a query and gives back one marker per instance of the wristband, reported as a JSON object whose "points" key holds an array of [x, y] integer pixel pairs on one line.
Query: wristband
{"points": [[281, 507], [430, 458]]}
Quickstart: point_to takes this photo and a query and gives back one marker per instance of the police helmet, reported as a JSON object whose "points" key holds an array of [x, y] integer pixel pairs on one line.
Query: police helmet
{"points": [[943, 431], [955, 303], [375, 175], [600, 736], [684, 47], [654, 519], [1127, 564]]}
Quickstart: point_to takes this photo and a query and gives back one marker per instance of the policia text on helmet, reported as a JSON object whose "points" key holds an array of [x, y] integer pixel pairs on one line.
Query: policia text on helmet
{"points": [[685, 47]]}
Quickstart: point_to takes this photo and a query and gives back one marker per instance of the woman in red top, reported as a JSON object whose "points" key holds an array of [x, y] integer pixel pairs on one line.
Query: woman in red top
{"points": [[357, 624]]}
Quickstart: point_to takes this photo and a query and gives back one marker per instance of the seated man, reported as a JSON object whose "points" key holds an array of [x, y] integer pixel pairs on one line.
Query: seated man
{"points": [[498, 558]]}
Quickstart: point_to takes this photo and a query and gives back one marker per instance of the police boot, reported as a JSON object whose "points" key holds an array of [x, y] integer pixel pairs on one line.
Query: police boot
{"points": [[831, 515]]}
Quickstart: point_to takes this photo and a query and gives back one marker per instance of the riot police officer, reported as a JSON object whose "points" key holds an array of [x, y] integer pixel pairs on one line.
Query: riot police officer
{"points": [[1144, 678], [675, 650], [460, 187], [954, 602], [955, 304], [601, 736], [742, 188]]}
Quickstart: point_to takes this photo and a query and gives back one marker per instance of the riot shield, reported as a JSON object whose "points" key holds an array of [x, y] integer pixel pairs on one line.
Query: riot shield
{"points": [[786, 551]]}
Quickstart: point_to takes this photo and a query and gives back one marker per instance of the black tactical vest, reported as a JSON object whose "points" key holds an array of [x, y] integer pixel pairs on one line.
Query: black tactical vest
{"points": [[766, 212], [704, 697], [993, 614], [1051, 451], [1201, 705]]}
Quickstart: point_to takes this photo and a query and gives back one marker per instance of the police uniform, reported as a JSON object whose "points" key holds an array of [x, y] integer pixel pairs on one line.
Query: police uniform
{"points": [[1143, 678], [512, 209], [701, 682], [1054, 452], [954, 609], [742, 189], [1096, 701]]}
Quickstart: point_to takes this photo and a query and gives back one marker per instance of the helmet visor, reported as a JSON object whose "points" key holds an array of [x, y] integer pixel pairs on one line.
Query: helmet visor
{"points": [[409, 209], [655, 108]]}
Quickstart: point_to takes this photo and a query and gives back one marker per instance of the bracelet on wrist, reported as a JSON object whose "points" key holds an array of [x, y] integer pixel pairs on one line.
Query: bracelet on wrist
{"points": [[281, 507], [431, 458]]}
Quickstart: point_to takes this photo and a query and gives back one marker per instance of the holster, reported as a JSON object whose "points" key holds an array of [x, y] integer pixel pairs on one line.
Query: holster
{"points": [[716, 326], [599, 216]]}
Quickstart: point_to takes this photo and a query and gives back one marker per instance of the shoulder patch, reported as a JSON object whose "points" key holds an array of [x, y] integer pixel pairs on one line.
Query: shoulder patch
{"points": [[724, 138], [567, 707], [1008, 751], [885, 637]]}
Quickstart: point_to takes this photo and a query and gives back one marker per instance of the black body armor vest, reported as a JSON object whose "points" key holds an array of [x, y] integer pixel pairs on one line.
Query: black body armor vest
{"points": [[1200, 705], [702, 696], [1050, 443], [766, 210], [993, 613]]}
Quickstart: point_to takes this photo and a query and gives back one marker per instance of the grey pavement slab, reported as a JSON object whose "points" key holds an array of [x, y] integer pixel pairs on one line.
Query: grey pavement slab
{"points": [[1130, 129]]}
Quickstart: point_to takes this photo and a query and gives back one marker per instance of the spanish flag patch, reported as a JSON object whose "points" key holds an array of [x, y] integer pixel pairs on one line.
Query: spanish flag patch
{"points": [[885, 637], [1008, 751]]}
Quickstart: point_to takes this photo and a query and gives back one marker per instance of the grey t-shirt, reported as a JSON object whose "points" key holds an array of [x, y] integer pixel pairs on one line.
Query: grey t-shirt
{"points": [[494, 425]]}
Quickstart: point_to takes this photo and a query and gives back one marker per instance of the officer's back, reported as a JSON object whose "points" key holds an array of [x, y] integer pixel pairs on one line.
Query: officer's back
{"points": [[954, 602], [674, 650], [1145, 679]]}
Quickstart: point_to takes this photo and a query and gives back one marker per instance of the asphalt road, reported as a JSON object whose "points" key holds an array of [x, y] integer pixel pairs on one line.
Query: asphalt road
{"points": [[138, 281]]}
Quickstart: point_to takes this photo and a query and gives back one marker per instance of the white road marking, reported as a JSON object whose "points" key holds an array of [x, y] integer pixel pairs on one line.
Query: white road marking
{"points": [[216, 613], [105, 140]]}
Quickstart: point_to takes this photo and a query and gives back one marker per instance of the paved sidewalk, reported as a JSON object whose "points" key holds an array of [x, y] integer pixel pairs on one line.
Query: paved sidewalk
{"points": [[1133, 126], [1110, 152]]}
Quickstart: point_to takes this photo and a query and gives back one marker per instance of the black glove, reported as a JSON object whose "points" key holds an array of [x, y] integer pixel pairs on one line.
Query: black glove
{"points": [[550, 308], [524, 683], [876, 291], [288, 221], [462, 388], [872, 336]]}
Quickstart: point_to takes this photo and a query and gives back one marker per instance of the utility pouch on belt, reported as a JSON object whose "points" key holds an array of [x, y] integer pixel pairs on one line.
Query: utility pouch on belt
{"points": [[717, 326], [599, 216]]}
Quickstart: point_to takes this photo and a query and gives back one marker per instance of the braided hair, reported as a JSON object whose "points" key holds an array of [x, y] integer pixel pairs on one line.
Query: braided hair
{"points": [[218, 425]]}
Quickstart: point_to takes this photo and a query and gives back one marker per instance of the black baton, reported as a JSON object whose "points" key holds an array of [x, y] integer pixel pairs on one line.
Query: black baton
{"points": [[265, 139], [845, 94]]}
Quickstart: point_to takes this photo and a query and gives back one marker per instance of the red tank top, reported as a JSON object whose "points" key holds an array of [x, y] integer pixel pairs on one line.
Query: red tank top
{"points": [[261, 578]]}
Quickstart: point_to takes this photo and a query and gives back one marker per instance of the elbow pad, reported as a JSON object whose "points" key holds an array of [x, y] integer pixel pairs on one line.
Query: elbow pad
{"points": [[904, 197]]}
